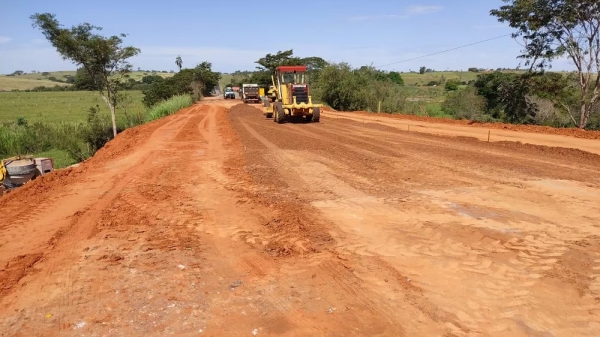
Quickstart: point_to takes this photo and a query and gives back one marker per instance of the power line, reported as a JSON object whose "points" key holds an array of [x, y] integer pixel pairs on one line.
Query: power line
{"points": [[444, 51]]}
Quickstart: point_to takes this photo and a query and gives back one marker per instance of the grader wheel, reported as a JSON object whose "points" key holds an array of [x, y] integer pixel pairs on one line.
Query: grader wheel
{"points": [[316, 117], [279, 117]]}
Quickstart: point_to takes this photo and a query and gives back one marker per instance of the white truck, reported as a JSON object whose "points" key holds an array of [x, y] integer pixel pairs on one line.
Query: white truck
{"points": [[251, 93]]}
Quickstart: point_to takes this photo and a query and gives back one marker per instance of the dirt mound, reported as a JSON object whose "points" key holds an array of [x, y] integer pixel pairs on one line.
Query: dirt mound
{"points": [[128, 140], [571, 132], [23, 195], [57, 180]]}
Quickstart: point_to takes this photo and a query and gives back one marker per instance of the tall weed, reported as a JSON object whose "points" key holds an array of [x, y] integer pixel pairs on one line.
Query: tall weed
{"points": [[169, 107]]}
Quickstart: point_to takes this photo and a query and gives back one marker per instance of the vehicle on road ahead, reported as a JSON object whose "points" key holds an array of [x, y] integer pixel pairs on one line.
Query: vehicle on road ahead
{"points": [[250, 93], [229, 93]]}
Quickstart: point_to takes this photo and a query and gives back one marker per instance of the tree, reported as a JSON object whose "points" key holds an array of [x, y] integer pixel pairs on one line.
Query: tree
{"points": [[83, 81], [267, 65], [151, 79], [179, 62], [208, 79], [422, 70], [45, 74], [196, 82], [556, 28], [104, 58], [395, 77]]}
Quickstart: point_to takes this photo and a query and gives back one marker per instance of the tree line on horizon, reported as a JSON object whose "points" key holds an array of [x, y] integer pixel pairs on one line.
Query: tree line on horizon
{"points": [[549, 29]]}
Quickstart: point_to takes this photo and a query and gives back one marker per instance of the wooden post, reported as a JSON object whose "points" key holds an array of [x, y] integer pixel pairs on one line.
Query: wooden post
{"points": [[489, 131], [379, 107]]}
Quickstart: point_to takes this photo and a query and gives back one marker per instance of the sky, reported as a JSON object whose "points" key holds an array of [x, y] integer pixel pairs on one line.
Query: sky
{"points": [[233, 34]]}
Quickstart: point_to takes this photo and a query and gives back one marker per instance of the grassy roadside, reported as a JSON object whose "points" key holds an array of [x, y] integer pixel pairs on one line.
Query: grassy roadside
{"points": [[78, 138]]}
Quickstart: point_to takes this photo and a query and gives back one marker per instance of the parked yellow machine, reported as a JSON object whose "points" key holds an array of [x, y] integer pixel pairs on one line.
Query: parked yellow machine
{"points": [[3, 172], [291, 95], [17, 171]]}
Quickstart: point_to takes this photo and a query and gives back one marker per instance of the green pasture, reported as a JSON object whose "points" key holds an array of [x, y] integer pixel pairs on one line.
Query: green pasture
{"points": [[63, 106]]}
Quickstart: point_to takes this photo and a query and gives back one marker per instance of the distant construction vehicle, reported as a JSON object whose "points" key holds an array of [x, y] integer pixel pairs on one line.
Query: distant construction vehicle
{"points": [[292, 96], [250, 93]]}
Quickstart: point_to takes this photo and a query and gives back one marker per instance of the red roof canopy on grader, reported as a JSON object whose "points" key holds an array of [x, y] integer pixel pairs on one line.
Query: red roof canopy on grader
{"points": [[292, 96]]}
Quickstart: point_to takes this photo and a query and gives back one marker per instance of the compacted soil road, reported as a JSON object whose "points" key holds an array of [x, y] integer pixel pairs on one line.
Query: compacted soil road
{"points": [[218, 222]]}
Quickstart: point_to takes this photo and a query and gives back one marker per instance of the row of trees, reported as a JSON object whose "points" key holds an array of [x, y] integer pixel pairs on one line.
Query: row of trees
{"points": [[197, 82], [531, 98], [550, 29]]}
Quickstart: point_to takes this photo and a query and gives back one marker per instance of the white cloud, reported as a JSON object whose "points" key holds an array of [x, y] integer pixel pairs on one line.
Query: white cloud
{"points": [[4, 39], [416, 10], [412, 10]]}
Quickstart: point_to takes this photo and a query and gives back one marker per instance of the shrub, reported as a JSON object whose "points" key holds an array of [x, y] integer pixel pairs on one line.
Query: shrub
{"points": [[79, 140], [451, 86], [465, 104], [98, 130], [344, 88]]}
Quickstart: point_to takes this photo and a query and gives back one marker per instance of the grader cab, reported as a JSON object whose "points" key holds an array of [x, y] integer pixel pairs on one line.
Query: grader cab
{"points": [[291, 95]]}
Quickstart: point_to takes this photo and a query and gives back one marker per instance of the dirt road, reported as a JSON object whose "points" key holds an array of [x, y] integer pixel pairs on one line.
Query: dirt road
{"points": [[219, 222]]}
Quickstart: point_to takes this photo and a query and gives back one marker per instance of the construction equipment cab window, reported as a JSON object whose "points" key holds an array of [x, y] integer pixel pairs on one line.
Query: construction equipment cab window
{"points": [[289, 77]]}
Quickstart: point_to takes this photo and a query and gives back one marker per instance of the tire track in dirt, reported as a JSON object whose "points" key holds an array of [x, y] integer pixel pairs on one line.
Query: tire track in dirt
{"points": [[232, 223], [65, 245], [482, 161], [490, 255], [313, 185], [583, 160]]}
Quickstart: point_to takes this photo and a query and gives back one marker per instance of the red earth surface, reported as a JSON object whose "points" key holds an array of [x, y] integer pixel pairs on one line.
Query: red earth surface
{"points": [[216, 221]]}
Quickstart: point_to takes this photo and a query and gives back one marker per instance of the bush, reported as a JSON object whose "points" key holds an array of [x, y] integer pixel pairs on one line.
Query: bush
{"points": [[197, 82], [547, 114], [169, 107], [465, 104], [451, 86], [344, 88], [38, 137], [79, 140]]}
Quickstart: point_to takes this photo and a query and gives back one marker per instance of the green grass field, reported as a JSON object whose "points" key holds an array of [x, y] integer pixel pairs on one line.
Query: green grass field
{"points": [[30, 81], [19, 83], [62, 106]]}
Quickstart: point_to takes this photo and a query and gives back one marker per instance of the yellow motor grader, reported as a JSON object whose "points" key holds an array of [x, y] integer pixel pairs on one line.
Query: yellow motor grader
{"points": [[290, 96]]}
